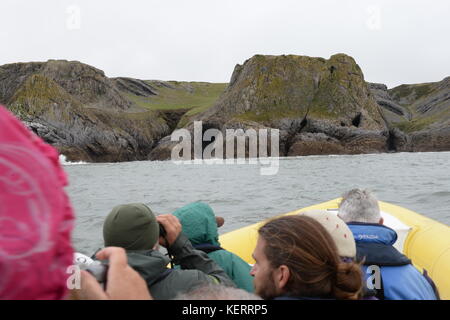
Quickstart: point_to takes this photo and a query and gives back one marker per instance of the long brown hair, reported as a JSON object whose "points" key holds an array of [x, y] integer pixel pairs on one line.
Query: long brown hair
{"points": [[306, 248]]}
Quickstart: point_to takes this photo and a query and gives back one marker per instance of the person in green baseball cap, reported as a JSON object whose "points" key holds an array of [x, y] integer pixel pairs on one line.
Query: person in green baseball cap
{"points": [[135, 228]]}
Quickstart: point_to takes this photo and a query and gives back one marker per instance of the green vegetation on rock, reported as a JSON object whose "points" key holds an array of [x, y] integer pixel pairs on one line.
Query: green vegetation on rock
{"points": [[414, 124], [36, 95], [268, 88], [197, 96], [411, 92], [77, 109], [268, 116]]}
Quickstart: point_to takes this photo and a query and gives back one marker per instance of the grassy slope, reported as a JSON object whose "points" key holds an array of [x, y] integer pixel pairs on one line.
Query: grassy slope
{"points": [[196, 96]]}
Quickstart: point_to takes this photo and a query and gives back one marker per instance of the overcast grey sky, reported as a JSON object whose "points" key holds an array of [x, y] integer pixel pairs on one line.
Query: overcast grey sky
{"points": [[394, 41]]}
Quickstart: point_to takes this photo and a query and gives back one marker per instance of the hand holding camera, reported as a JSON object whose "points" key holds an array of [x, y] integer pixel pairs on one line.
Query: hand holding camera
{"points": [[123, 282], [98, 269]]}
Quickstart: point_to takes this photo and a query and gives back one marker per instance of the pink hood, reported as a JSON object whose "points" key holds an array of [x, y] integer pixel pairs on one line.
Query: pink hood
{"points": [[36, 218]]}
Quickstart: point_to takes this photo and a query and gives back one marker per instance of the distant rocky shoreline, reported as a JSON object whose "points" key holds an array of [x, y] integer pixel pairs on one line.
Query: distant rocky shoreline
{"points": [[320, 106]]}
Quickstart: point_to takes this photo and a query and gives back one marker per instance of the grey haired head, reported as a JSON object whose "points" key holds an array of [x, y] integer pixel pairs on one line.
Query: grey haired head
{"points": [[359, 205]]}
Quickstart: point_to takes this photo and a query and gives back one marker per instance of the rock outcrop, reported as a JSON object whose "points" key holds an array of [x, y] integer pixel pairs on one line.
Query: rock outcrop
{"points": [[418, 115], [392, 111], [320, 106], [80, 111]]}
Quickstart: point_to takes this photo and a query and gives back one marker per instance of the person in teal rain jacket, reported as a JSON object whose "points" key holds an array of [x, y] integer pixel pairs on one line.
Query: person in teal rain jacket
{"points": [[200, 226]]}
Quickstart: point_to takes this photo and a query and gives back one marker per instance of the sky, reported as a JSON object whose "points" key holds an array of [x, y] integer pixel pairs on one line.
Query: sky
{"points": [[394, 42]]}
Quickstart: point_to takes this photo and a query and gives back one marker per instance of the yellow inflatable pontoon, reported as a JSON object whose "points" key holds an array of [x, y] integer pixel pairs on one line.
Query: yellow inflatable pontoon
{"points": [[425, 241]]}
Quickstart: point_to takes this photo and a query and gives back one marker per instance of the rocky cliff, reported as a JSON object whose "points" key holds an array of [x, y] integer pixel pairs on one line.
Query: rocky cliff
{"points": [[76, 108], [320, 106], [418, 114]]}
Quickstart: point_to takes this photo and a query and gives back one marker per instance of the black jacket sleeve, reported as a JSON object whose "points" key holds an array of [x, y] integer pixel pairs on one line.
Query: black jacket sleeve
{"points": [[188, 258]]}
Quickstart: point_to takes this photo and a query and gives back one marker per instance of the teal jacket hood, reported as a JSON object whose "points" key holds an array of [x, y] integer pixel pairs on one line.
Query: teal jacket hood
{"points": [[199, 223]]}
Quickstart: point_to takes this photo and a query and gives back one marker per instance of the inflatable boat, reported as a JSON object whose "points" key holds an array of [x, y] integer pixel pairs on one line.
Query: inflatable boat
{"points": [[425, 241]]}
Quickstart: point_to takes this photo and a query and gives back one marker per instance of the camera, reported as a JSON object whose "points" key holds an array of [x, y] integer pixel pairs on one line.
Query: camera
{"points": [[99, 269]]}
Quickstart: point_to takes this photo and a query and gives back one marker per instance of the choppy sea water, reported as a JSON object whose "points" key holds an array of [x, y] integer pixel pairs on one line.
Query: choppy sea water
{"points": [[239, 193]]}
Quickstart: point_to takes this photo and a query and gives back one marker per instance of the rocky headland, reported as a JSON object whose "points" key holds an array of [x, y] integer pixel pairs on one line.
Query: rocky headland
{"points": [[418, 115], [320, 106]]}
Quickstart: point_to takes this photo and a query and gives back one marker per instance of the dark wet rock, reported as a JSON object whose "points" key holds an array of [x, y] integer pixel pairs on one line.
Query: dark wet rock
{"points": [[163, 149], [321, 137]]}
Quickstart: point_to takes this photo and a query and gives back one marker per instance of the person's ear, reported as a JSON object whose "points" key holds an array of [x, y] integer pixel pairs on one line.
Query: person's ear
{"points": [[381, 221], [282, 276]]}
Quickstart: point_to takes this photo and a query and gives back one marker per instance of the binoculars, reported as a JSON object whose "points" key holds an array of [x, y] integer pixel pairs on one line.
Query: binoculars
{"points": [[162, 231]]}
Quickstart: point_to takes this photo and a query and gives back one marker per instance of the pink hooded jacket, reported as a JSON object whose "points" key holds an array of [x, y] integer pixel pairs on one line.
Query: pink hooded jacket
{"points": [[36, 218]]}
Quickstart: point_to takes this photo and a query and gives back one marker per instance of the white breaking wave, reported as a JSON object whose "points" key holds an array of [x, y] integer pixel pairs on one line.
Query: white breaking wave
{"points": [[64, 162]]}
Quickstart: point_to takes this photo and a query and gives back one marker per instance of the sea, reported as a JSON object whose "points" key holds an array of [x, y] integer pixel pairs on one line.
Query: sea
{"points": [[243, 195]]}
